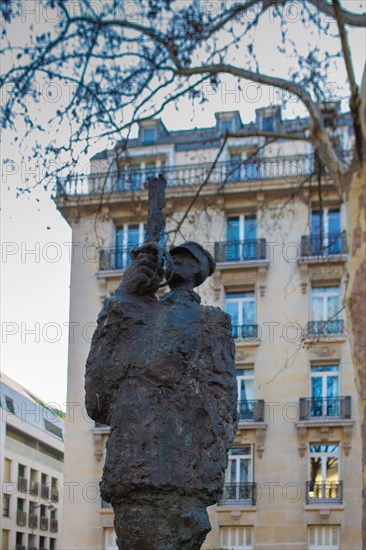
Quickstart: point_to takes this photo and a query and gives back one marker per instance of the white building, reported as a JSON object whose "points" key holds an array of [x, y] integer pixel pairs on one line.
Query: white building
{"points": [[32, 463]]}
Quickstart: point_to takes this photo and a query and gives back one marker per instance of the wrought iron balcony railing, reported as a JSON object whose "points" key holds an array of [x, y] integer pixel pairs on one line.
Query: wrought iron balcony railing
{"points": [[240, 251], [248, 331], [34, 488], [134, 179], [21, 518], [43, 523], [330, 244], [333, 326], [33, 521], [54, 525], [45, 492], [251, 410], [239, 493], [117, 257], [326, 492], [325, 407], [55, 497], [22, 484]]}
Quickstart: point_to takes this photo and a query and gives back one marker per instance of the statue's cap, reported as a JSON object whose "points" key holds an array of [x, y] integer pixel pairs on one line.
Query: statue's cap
{"points": [[203, 256]]}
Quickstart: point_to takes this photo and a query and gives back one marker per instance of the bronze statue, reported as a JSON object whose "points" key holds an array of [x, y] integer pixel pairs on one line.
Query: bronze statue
{"points": [[161, 373]]}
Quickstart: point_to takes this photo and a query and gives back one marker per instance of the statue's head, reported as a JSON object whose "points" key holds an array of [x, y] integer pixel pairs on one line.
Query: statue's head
{"points": [[192, 264]]}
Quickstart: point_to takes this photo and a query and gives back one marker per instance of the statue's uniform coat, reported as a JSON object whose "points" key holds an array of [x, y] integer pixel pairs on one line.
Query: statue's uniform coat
{"points": [[162, 375]]}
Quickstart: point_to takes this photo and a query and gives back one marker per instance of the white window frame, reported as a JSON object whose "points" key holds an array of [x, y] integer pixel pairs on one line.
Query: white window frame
{"points": [[249, 374], [325, 295], [324, 455], [242, 218], [324, 375], [233, 536], [245, 455], [241, 301], [320, 536]]}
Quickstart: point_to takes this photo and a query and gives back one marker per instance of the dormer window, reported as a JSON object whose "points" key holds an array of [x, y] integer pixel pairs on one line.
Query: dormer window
{"points": [[149, 136], [268, 124], [226, 126]]}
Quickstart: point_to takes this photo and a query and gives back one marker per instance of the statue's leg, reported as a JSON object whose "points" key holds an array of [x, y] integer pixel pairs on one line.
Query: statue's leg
{"points": [[161, 522]]}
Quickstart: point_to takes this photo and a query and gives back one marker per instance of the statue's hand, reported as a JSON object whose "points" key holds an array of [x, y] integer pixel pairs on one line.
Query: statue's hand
{"points": [[145, 273]]}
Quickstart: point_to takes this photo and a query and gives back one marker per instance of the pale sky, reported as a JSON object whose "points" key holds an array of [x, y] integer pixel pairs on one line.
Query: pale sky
{"points": [[35, 246]]}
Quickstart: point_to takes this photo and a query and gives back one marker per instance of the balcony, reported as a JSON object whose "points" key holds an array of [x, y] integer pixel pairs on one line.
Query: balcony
{"points": [[327, 408], [130, 179], [251, 410], [33, 521], [114, 258], [54, 526], [43, 525], [244, 494], [45, 492], [240, 251], [325, 247], [34, 488], [54, 494], [324, 492], [20, 547], [22, 484], [21, 518], [326, 328], [247, 332]]}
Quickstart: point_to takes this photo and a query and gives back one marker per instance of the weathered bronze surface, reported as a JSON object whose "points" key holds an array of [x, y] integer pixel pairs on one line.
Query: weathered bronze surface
{"points": [[161, 373]]}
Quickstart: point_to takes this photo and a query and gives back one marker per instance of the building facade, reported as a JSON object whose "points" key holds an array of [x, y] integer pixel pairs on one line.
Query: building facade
{"points": [[269, 213], [32, 453]]}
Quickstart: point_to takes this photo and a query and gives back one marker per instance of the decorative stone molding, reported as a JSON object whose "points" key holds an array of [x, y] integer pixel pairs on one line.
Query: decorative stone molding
{"points": [[302, 439], [98, 446], [244, 356], [321, 270], [324, 513], [324, 430], [260, 434]]}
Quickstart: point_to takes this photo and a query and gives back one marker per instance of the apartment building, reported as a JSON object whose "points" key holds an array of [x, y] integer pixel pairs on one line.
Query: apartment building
{"points": [[32, 455], [269, 213]]}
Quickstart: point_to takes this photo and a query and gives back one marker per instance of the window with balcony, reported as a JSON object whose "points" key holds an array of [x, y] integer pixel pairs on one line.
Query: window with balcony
{"points": [[249, 409], [239, 487], [241, 239], [32, 542], [42, 543], [110, 539], [6, 506], [324, 537], [235, 168], [22, 481], [242, 308], [324, 486], [52, 544], [128, 236], [325, 307], [325, 235], [19, 537], [236, 537]]}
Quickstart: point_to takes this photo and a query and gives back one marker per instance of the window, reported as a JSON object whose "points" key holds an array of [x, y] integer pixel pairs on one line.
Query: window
{"points": [[150, 170], [245, 381], [53, 429], [5, 539], [149, 136], [235, 168], [127, 237], [241, 307], [324, 485], [241, 237], [42, 543], [236, 538], [325, 310], [326, 235], [7, 470], [268, 124], [323, 537], [9, 403], [110, 539], [19, 539], [324, 382], [6, 506], [226, 126], [239, 487], [52, 544], [32, 541]]}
